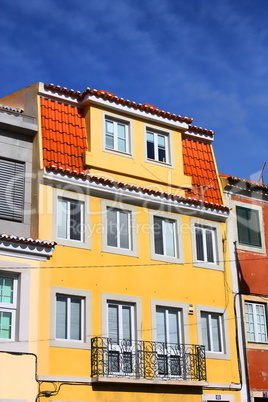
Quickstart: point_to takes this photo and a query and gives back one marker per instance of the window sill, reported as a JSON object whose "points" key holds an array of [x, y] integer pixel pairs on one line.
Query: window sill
{"points": [[206, 265], [118, 153], [69, 344]]}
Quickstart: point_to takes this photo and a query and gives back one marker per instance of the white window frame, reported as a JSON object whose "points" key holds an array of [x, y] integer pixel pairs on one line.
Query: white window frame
{"points": [[221, 312], [84, 295], [257, 334], [247, 247], [83, 199], [68, 317], [167, 139], [132, 212], [117, 120], [68, 202], [10, 308], [20, 271], [215, 228], [178, 258]]}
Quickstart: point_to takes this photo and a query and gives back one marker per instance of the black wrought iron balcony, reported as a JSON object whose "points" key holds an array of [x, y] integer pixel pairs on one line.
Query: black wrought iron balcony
{"points": [[147, 360]]}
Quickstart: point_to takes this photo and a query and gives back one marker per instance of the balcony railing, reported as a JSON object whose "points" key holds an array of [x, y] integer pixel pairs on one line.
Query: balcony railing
{"points": [[147, 360]]}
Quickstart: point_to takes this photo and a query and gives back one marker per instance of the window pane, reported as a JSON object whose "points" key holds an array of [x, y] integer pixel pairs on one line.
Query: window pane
{"points": [[210, 251], [75, 220], [5, 324], [6, 290], [62, 214], [126, 317], [250, 322], [75, 319], [113, 329], [161, 148], [122, 145], [205, 331], [160, 324], [121, 131], [169, 238], [216, 333], [112, 227], [150, 146], [199, 244], [173, 326], [61, 317], [158, 236], [124, 229], [109, 127]]}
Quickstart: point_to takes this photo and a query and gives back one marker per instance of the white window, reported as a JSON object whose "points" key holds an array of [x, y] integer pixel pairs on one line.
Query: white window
{"points": [[157, 146], [69, 317], [70, 219], [205, 244], [212, 331], [118, 228], [117, 135], [8, 306], [256, 322], [168, 325], [165, 241], [121, 332]]}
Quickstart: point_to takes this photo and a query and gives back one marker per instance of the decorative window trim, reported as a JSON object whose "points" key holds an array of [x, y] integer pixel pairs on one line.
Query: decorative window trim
{"points": [[183, 307], [133, 251], [21, 336], [225, 355], [75, 196], [248, 247], [121, 299], [62, 343], [218, 264], [178, 237], [118, 119], [168, 145]]}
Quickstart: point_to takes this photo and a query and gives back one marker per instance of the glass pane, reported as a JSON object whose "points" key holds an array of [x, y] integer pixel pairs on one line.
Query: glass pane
{"points": [[169, 237], [216, 333], [75, 319], [61, 317], [62, 214], [109, 126], [122, 145], [261, 323], [126, 317], [113, 362], [75, 220], [113, 330], [173, 326], [112, 227], [158, 236], [160, 324], [161, 148], [205, 331], [175, 366], [127, 362], [199, 244], [109, 141], [150, 146], [162, 365], [161, 141], [5, 325], [121, 131], [6, 290], [210, 251], [124, 229], [250, 322]]}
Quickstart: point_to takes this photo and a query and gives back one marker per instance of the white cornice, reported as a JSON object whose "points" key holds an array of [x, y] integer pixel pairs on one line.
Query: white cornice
{"points": [[155, 201], [32, 252]]}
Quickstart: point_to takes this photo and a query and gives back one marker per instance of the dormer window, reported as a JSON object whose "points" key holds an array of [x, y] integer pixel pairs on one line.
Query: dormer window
{"points": [[117, 135]]}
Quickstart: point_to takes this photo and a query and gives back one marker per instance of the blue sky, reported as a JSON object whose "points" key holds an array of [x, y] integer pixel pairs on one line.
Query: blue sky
{"points": [[206, 59]]}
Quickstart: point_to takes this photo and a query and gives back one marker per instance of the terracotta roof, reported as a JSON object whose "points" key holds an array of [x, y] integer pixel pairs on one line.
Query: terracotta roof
{"points": [[63, 134], [201, 130], [199, 164], [11, 109], [27, 240], [113, 98], [132, 187], [252, 183]]}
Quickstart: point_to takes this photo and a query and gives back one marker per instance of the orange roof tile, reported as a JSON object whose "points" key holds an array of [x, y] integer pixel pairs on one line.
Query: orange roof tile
{"points": [[199, 164], [63, 135], [113, 98]]}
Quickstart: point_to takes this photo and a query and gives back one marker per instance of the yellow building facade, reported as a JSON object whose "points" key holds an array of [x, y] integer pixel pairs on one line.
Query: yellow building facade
{"points": [[135, 299]]}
